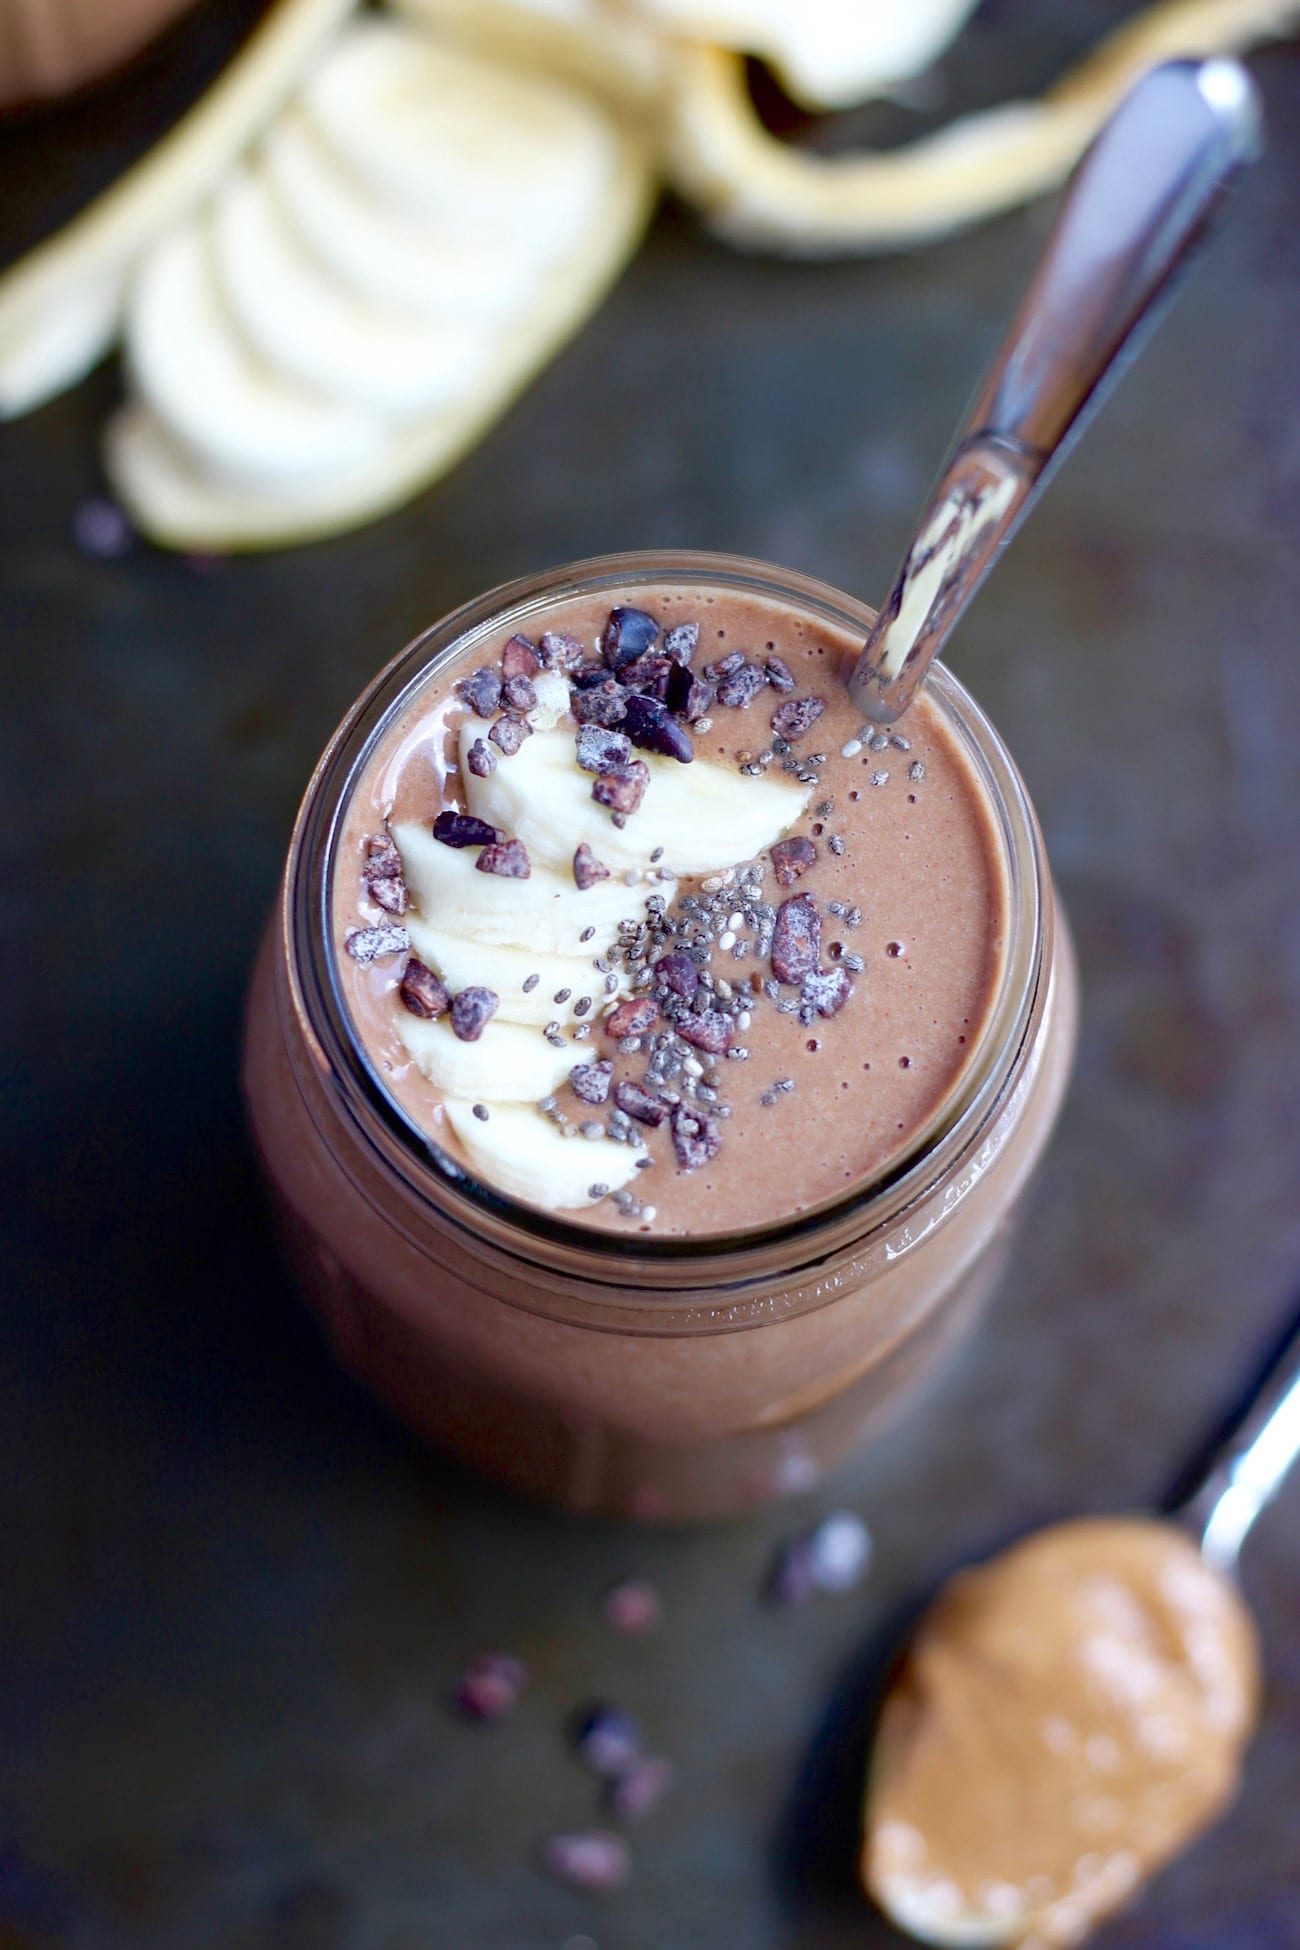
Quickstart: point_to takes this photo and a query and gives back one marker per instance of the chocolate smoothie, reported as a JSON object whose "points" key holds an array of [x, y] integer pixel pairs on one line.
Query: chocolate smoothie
{"points": [[645, 1142], [795, 1078]]}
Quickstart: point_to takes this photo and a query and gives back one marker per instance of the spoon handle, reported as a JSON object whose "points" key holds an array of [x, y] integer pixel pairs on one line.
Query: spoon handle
{"points": [[1247, 1468], [1136, 207]]}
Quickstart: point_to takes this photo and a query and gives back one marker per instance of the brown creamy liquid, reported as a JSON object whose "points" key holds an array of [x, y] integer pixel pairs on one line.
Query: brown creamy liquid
{"points": [[1068, 1718], [920, 858]]}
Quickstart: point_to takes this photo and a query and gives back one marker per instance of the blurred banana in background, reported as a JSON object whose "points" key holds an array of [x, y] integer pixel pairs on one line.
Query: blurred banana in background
{"points": [[335, 273]]}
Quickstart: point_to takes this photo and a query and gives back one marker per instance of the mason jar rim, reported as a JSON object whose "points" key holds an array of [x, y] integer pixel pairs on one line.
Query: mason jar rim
{"points": [[422, 1172]]}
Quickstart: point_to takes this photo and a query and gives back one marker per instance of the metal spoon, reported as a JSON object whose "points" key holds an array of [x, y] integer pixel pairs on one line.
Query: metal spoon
{"points": [[1246, 1468], [1136, 208]]}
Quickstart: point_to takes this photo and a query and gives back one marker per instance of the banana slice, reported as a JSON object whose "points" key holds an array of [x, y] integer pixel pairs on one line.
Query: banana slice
{"points": [[181, 496], [827, 54], [506, 1065], [491, 155], [61, 305], [378, 249], [520, 1152], [607, 50], [236, 415], [302, 322], [703, 816], [462, 962], [545, 914]]}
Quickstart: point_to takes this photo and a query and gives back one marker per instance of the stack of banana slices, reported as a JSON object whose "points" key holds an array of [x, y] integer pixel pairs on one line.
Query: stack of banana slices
{"points": [[533, 941], [335, 273]]}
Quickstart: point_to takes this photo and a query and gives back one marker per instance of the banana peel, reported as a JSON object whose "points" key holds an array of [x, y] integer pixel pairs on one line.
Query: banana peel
{"points": [[61, 305], [762, 194]]}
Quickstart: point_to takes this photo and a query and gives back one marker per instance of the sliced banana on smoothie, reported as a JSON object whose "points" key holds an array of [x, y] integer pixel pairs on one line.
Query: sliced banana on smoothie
{"points": [[304, 322], [695, 819], [507, 1064], [546, 913], [521, 1153], [533, 987]]}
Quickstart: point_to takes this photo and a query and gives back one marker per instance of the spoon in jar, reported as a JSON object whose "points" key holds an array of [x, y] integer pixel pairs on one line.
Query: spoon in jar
{"points": [[1138, 205], [1072, 1714]]}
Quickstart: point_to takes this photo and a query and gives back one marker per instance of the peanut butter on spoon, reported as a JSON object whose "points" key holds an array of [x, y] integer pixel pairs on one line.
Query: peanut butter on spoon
{"points": [[1070, 1716], [1073, 1714]]}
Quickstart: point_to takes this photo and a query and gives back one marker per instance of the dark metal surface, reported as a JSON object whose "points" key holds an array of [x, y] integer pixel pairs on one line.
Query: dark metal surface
{"points": [[234, 1594]]}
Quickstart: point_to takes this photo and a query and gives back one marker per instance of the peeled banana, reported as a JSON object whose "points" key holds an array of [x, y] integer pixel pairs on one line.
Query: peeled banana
{"points": [[522, 1153]]}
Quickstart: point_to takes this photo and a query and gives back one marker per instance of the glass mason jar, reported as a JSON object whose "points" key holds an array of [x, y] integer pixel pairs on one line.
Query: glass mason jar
{"points": [[658, 1378]]}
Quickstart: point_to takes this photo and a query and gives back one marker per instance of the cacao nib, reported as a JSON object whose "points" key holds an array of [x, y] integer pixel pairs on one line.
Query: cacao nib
{"points": [[710, 1031], [604, 704], [481, 691], [471, 1012], [509, 858], [519, 659], [779, 674], [632, 1018], [648, 674], [421, 991], [740, 687], [697, 1137], [725, 665], [827, 990], [792, 857], [797, 716], [796, 939], [587, 869], [481, 759], [585, 676], [590, 1081], [679, 973], [462, 829], [622, 791], [636, 1101], [508, 734], [602, 750], [651, 725], [627, 634], [681, 640], [375, 944], [559, 652], [382, 876], [519, 694], [688, 696]]}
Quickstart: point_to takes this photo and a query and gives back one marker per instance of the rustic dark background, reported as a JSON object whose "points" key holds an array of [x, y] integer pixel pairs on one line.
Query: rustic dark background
{"points": [[234, 1594]]}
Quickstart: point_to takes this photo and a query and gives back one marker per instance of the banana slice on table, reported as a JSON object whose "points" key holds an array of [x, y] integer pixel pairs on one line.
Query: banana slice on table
{"points": [[520, 1152], [545, 914], [762, 193], [703, 816], [827, 54], [225, 449], [378, 250], [486, 152], [605, 48], [61, 305], [237, 415], [303, 322], [463, 961], [506, 1065]]}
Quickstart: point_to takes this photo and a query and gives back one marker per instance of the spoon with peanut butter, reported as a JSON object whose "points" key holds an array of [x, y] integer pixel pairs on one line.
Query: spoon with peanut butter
{"points": [[1070, 1715]]}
